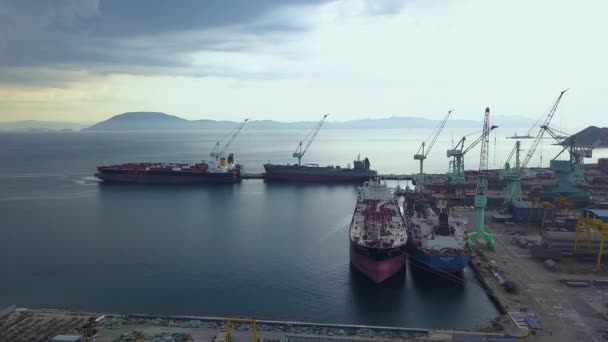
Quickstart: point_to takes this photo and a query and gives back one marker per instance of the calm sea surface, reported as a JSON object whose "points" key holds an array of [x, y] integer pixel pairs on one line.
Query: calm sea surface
{"points": [[276, 251]]}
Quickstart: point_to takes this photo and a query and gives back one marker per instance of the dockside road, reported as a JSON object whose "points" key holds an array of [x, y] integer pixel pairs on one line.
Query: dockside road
{"points": [[543, 305]]}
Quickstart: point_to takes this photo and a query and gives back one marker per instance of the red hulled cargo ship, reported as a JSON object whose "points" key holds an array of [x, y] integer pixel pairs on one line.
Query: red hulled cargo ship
{"points": [[378, 233], [219, 170], [222, 171]]}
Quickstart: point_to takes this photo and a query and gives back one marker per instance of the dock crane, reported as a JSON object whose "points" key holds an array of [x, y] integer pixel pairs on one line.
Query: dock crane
{"points": [[456, 168], [541, 131], [511, 177], [299, 153], [577, 154], [217, 153], [421, 154], [481, 193]]}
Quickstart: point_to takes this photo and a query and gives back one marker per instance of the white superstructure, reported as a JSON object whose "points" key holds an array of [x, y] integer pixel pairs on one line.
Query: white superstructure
{"points": [[377, 221]]}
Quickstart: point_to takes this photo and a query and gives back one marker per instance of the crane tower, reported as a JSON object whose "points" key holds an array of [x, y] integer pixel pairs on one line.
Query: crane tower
{"points": [[481, 193]]}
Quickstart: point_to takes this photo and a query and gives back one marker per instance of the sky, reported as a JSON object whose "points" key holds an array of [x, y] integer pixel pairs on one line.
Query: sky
{"points": [[86, 60]]}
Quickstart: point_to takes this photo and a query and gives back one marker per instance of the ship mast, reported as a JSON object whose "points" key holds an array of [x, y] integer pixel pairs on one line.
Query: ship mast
{"points": [[299, 153]]}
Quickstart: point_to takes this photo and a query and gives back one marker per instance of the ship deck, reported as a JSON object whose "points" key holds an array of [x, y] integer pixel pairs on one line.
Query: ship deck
{"points": [[378, 224]]}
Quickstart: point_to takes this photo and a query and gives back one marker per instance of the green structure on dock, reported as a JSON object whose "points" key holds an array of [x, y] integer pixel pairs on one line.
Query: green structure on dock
{"points": [[511, 177], [481, 193]]}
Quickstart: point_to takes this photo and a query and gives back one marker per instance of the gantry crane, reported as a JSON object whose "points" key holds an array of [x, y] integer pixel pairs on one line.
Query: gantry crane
{"points": [[217, 153], [481, 193], [299, 153], [456, 168], [421, 154], [577, 154], [511, 177], [541, 131]]}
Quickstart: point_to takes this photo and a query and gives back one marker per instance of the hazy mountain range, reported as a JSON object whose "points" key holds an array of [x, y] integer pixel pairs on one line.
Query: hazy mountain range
{"points": [[40, 126], [162, 121], [153, 121]]}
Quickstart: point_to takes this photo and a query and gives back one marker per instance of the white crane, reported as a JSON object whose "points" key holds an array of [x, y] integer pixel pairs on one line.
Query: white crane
{"points": [[421, 154], [217, 153], [299, 153]]}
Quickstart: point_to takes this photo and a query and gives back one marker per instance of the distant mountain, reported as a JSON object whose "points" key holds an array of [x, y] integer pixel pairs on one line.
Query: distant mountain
{"points": [[160, 121], [589, 136], [39, 126]]}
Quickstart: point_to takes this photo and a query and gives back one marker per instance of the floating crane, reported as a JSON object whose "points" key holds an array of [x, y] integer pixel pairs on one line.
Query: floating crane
{"points": [[217, 153], [421, 154], [481, 193], [541, 131], [456, 169], [510, 176], [299, 153]]}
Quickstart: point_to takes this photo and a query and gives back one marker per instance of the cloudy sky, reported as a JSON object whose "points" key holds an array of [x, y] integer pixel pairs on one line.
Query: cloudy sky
{"points": [[86, 60]]}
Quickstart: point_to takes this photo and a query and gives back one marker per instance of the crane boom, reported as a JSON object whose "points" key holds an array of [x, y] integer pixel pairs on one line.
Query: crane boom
{"points": [[236, 132], [553, 133], [541, 131], [299, 153], [485, 142], [216, 153], [422, 154], [437, 132], [511, 155], [481, 137]]}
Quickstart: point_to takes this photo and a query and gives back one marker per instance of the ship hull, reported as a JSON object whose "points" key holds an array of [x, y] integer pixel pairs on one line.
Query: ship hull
{"points": [[296, 173], [377, 265], [168, 178], [439, 262]]}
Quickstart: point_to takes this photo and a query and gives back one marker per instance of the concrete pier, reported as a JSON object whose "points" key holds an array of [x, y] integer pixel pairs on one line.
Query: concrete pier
{"points": [[41, 324]]}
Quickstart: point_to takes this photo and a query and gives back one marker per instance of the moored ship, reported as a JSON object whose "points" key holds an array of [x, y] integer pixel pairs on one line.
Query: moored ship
{"points": [[219, 170], [378, 233], [360, 171], [315, 173], [171, 173], [437, 241]]}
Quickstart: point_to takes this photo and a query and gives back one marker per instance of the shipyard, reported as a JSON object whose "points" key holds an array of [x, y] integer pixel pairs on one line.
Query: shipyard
{"points": [[533, 237], [303, 171]]}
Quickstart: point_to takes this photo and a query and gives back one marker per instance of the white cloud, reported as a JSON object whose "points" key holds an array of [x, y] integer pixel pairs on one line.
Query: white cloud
{"points": [[361, 59]]}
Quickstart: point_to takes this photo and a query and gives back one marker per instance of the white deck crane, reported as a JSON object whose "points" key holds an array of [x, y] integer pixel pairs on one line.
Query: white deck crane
{"points": [[299, 153], [541, 131], [217, 153], [421, 154]]}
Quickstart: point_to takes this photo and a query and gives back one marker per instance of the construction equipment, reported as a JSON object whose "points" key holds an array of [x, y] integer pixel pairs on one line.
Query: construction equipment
{"points": [[228, 328], [541, 131], [481, 193], [422, 154], [299, 153], [456, 166], [217, 153], [511, 178], [577, 154], [589, 224]]}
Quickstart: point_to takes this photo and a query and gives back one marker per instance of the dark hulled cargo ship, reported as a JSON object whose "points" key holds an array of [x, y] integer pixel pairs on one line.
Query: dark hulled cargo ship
{"points": [[378, 233], [315, 173]]}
